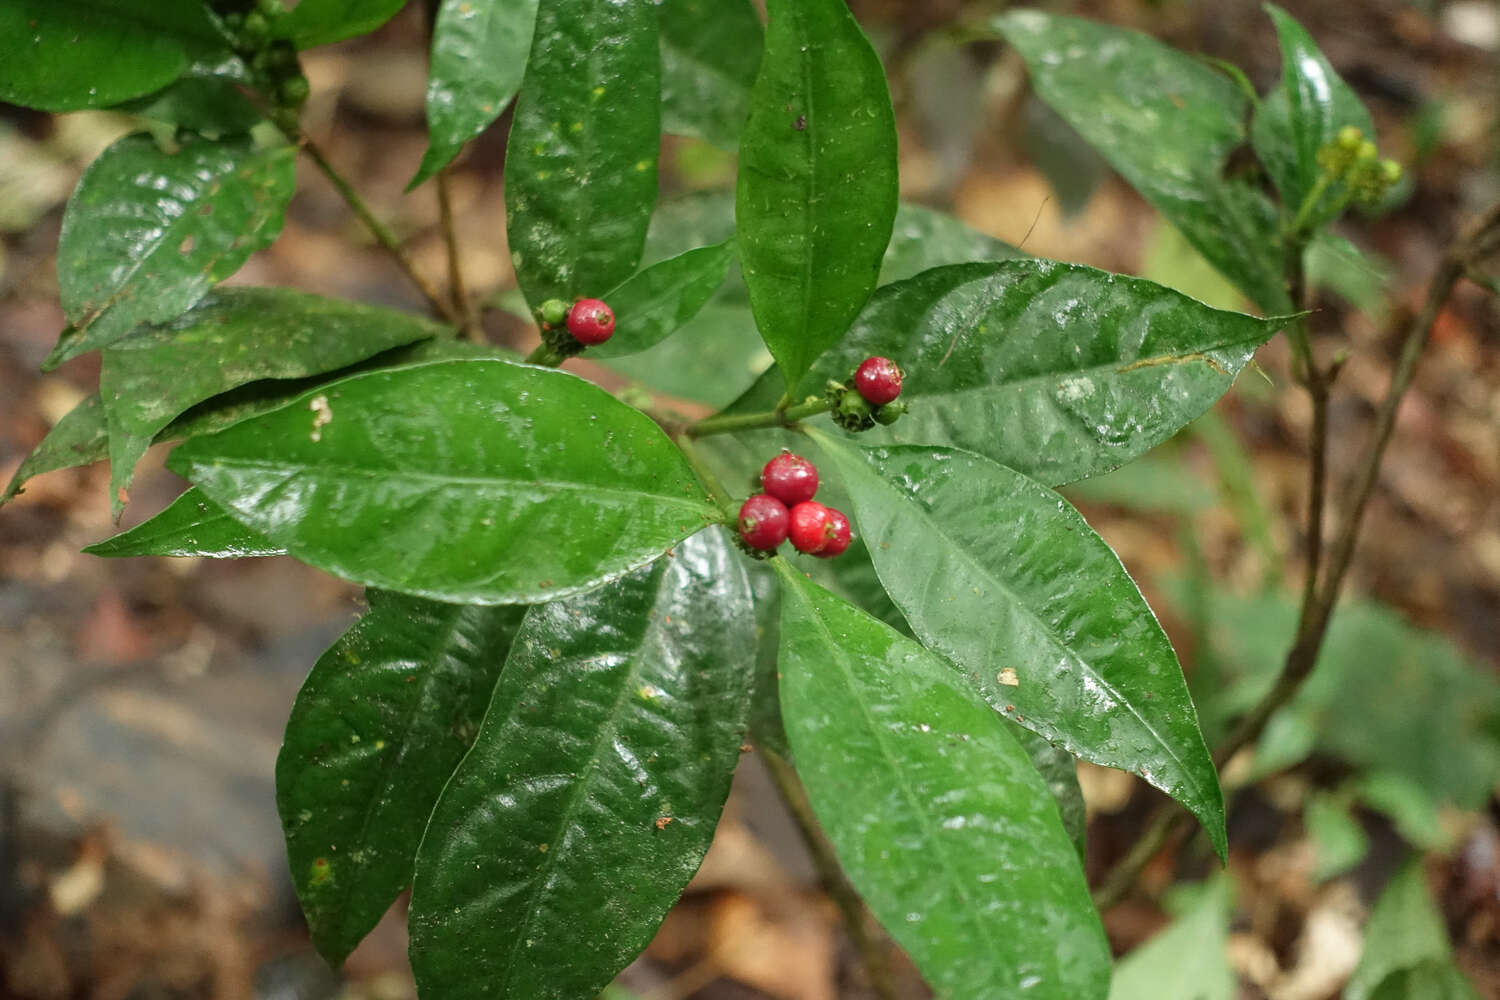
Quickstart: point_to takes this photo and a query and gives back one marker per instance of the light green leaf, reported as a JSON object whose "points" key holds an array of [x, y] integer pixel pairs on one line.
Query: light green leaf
{"points": [[663, 298], [939, 818], [1187, 961], [81, 437], [192, 525], [924, 238], [480, 482], [1338, 839], [710, 51], [1405, 931]]}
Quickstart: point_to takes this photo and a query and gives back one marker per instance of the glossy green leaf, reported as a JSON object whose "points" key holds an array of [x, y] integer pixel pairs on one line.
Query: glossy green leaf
{"points": [[1405, 930], [323, 22], [924, 238], [232, 337], [1303, 114], [192, 525], [594, 787], [938, 816], [1188, 960], [1167, 122], [479, 50], [481, 482], [94, 53], [998, 574], [81, 437], [660, 300], [1059, 371], [711, 359], [147, 233], [817, 180], [580, 168], [380, 723], [710, 51], [1059, 770]]}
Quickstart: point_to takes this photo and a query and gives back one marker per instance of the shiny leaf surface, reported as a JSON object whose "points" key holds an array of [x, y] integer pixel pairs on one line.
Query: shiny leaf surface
{"points": [[1057, 370], [710, 51], [380, 723], [997, 573], [473, 481], [232, 337], [1301, 115], [147, 233], [1167, 122], [594, 787], [94, 53], [580, 168], [1059, 770], [940, 821], [1187, 961], [81, 437], [191, 525], [323, 22], [479, 50], [660, 300], [817, 187]]}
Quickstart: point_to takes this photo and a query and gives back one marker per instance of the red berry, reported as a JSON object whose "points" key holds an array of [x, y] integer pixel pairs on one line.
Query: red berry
{"points": [[809, 527], [790, 478], [763, 522], [878, 380], [590, 321], [839, 535]]}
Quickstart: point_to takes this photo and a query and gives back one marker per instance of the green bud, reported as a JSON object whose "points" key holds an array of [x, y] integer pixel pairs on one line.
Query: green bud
{"points": [[890, 412], [1350, 138], [1366, 153], [293, 91], [1390, 171], [256, 29], [553, 312], [270, 8]]}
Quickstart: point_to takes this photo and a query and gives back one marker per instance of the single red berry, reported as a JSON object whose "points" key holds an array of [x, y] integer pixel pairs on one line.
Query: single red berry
{"points": [[790, 478], [591, 321], [839, 535], [809, 526], [763, 522], [878, 380]]}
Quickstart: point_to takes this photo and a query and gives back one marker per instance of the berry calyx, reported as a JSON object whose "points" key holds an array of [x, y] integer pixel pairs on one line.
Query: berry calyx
{"points": [[763, 522], [790, 478], [591, 321], [810, 526], [878, 380], [839, 535]]}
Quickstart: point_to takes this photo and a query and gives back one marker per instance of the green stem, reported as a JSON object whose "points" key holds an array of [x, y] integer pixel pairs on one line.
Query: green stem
{"points": [[545, 356], [730, 423], [1310, 204]]}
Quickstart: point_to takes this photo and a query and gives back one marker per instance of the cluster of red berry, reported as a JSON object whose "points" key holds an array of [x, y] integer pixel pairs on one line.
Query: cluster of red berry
{"points": [[787, 510]]}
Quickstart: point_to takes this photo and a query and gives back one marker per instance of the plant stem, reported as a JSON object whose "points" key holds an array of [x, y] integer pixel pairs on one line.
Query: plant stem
{"points": [[862, 927], [542, 354], [382, 233], [786, 417], [458, 289]]}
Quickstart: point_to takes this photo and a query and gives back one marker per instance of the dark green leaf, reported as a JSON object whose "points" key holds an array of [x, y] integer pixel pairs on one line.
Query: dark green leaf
{"points": [[1433, 980], [479, 50], [147, 233], [207, 99], [594, 787], [192, 525], [580, 169], [923, 239], [766, 729], [232, 337], [939, 818], [1303, 114], [474, 481], [817, 180], [1057, 370], [1188, 960], [1405, 930], [81, 437], [998, 574], [660, 300], [1059, 770], [710, 50], [380, 723], [323, 22], [1167, 122], [94, 53]]}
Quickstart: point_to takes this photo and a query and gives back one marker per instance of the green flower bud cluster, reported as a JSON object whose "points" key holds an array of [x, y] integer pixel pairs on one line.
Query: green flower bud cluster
{"points": [[272, 60], [1353, 160]]}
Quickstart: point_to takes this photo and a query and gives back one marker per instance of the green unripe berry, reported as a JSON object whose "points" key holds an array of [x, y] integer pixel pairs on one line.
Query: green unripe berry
{"points": [[890, 412], [1350, 138], [270, 8], [1390, 171], [256, 29], [554, 312], [293, 91], [1366, 153]]}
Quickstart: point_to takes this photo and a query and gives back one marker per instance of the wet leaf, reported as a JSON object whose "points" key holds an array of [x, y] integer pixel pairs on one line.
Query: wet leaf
{"points": [[660, 300], [939, 818], [380, 723], [710, 51], [69, 56], [472, 481], [580, 168], [997, 573], [479, 50], [594, 787], [147, 233], [1167, 122], [192, 525], [233, 337], [1187, 961], [323, 22], [1059, 770], [817, 180]]}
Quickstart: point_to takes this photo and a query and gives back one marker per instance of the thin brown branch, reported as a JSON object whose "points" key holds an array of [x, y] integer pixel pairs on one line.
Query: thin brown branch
{"points": [[458, 289]]}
